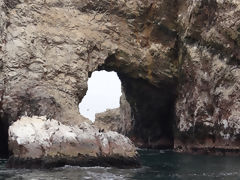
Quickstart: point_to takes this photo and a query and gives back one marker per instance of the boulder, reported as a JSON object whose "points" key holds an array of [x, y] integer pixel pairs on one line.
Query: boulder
{"points": [[38, 142]]}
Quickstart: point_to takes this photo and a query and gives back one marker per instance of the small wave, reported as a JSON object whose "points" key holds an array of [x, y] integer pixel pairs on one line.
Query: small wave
{"points": [[80, 167], [209, 175], [162, 151], [229, 174]]}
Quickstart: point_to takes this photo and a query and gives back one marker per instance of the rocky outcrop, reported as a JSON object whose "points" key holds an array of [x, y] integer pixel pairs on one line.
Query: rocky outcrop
{"points": [[108, 120], [50, 47], [178, 62], [40, 142], [118, 119]]}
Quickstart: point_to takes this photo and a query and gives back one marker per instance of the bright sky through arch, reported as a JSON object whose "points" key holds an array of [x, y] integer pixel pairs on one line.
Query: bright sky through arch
{"points": [[104, 91]]}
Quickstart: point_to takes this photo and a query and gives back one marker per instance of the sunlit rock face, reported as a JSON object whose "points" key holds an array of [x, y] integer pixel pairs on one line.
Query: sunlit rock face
{"points": [[49, 143], [186, 53]]}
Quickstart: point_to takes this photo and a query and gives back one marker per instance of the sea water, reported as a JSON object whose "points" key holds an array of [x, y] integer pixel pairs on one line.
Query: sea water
{"points": [[156, 164]]}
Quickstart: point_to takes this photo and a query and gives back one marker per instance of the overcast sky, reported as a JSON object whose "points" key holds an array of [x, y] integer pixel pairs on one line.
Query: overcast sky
{"points": [[104, 91]]}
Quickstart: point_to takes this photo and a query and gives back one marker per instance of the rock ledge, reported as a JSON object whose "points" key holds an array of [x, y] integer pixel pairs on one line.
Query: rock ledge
{"points": [[37, 142]]}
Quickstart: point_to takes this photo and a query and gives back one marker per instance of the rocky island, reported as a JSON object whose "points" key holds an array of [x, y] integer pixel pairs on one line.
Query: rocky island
{"points": [[178, 61]]}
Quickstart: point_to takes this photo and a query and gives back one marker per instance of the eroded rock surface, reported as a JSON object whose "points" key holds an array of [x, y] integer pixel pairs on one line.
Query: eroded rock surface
{"points": [[108, 120], [126, 116], [50, 47], [172, 56], [208, 104], [50, 143]]}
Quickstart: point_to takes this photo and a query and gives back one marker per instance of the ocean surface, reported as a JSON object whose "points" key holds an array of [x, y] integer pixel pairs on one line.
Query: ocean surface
{"points": [[163, 165]]}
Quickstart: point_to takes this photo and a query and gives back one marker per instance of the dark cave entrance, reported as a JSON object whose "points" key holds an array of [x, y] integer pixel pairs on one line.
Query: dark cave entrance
{"points": [[4, 153], [152, 108], [153, 112]]}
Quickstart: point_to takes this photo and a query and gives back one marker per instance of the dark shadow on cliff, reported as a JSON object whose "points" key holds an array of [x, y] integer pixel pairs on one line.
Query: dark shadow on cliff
{"points": [[153, 112], [4, 136]]}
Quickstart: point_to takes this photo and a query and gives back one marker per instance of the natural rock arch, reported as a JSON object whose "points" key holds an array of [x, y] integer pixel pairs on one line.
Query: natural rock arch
{"points": [[152, 108], [45, 60]]}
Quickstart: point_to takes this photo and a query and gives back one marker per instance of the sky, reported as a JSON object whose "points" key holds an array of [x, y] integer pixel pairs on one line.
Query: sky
{"points": [[104, 91]]}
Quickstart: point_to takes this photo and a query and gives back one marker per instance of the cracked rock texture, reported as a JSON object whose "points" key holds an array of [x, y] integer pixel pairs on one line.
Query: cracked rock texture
{"points": [[179, 56], [34, 138], [208, 105]]}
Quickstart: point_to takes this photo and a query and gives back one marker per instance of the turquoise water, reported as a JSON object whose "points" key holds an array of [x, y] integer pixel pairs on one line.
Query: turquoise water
{"points": [[163, 165]]}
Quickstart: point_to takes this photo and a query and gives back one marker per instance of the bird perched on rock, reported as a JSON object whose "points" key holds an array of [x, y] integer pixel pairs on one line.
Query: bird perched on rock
{"points": [[101, 130]]}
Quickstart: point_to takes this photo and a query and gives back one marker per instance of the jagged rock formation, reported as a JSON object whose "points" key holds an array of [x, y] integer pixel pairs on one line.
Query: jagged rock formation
{"points": [[178, 62], [208, 104], [108, 120], [118, 119], [38, 142]]}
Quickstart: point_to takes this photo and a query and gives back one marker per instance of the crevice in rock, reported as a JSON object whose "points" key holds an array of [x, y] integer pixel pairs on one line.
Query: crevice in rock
{"points": [[11, 3], [4, 153]]}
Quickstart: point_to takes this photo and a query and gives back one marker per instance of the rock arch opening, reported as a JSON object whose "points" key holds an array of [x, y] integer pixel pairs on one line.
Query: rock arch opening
{"points": [[152, 107], [104, 91]]}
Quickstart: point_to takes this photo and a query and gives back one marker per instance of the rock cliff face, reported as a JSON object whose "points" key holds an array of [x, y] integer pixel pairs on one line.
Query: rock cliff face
{"points": [[208, 104], [178, 62]]}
